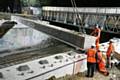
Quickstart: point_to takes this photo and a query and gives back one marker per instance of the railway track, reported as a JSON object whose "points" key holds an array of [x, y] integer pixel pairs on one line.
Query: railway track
{"points": [[18, 58]]}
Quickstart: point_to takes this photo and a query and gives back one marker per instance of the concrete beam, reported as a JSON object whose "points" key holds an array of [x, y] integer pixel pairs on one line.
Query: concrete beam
{"points": [[69, 37]]}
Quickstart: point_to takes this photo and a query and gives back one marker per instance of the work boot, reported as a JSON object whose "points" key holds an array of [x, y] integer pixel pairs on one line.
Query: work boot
{"points": [[91, 76], [87, 75], [112, 65], [107, 66]]}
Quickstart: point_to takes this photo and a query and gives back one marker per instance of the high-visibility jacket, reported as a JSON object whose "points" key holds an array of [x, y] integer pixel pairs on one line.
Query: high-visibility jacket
{"points": [[102, 67], [91, 54], [97, 43], [101, 63], [97, 32], [99, 54], [100, 57], [110, 49]]}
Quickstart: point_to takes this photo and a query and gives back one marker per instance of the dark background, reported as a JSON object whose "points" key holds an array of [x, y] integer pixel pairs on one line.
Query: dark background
{"points": [[15, 5], [88, 3], [12, 4]]}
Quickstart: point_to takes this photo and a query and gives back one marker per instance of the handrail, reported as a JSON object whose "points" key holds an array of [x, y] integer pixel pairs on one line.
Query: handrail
{"points": [[106, 10]]}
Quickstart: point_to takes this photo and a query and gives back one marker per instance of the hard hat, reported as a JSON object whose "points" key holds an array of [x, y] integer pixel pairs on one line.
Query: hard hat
{"points": [[111, 41], [93, 45], [96, 26]]}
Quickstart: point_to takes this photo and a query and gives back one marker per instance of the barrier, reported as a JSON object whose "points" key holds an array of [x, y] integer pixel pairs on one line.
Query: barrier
{"points": [[57, 65]]}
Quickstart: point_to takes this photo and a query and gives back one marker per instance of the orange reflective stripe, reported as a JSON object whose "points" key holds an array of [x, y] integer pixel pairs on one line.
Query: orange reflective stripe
{"points": [[92, 56]]}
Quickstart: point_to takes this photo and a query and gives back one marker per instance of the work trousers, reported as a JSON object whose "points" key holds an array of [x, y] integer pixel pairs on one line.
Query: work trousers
{"points": [[108, 61], [91, 68]]}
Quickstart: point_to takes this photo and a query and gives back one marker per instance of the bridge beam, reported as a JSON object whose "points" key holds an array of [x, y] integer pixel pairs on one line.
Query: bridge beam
{"points": [[69, 37]]}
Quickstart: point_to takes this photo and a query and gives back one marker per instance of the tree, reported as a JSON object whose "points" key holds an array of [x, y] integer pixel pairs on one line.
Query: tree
{"points": [[45, 2], [4, 4], [24, 3]]}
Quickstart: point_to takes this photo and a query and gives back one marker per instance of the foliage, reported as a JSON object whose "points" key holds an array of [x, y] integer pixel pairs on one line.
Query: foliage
{"points": [[36, 3]]}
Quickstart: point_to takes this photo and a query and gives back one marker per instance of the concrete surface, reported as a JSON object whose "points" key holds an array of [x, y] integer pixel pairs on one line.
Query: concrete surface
{"points": [[114, 75], [67, 36]]}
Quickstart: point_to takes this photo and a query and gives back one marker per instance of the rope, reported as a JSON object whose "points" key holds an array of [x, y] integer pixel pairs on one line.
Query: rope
{"points": [[81, 29]]}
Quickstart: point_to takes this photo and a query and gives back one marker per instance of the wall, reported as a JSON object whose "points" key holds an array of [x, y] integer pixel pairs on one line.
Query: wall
{"points": [[23, 36]]}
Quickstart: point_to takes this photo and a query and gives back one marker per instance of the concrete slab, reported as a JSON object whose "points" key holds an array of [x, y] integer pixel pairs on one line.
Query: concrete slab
{"points": [[67, 36]]}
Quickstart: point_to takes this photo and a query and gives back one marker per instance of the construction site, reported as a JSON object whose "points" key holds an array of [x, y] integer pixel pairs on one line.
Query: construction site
{"points": [[41, 41]]}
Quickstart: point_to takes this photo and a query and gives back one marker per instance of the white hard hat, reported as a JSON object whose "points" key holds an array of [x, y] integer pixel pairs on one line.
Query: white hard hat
{"points": [[111, 40], [93, 45], [96, 26]]}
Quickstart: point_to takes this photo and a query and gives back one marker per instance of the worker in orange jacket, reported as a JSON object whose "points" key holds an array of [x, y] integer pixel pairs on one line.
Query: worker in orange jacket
{"points": [[97, 43], [97, 33], [101, 64], [108, 53], [91, 61]]}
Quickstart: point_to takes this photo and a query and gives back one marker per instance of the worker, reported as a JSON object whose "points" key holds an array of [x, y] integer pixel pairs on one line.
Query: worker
{"points": [[97, 33], [110, 50], [101, 63], [91, 61], [97, 42]]}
